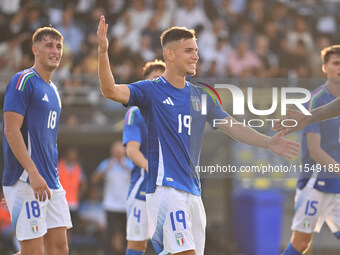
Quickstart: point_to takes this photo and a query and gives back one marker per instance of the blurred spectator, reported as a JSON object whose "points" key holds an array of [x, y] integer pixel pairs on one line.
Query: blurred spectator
{"points": [[9, 7], [146, 50], [275, 36], [34, 18], [124, 31], [92, 215], [280, 14], [300, 33], [153, 32], [269, 62], [72, 121], [207, 41], [140, 15], [115, 171], [191, 16], [73, 180], [10, 55], [243, 62], [90, 62], [73, 36], [315, 61], [163, 13], [245, 33], [256, 14], [75, 77], [229, 12]]}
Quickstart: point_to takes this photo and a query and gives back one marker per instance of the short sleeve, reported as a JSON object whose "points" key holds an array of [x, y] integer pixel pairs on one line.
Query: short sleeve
{"points": [[132, 131], [140, 93], [17, 95], [215, 111]]}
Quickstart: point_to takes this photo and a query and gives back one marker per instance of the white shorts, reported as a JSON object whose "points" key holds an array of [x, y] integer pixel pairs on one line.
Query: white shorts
{"points": [[177, 221], [313, 208], [137, 228], [32, 218]]}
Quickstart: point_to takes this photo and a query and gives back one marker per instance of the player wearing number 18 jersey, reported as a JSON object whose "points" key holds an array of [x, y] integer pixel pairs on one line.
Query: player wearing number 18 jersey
{"points": [[34, 196]]}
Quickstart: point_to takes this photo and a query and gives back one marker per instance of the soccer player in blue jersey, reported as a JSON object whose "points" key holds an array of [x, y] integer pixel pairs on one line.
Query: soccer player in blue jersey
{"points": [[175, 210], [318, 195], [134, 138], [34, 196]]}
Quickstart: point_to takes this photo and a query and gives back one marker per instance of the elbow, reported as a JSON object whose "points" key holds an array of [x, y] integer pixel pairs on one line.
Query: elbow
{"points": [[108, 94], [8, 132]]}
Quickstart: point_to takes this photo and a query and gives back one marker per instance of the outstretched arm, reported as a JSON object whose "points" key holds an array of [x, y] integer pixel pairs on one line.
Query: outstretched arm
{"points": [[328, 111], [119, 93], [277, 143]]}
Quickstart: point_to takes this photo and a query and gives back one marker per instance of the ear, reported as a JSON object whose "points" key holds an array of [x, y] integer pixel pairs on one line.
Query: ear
{"points": [[324, 68], [35, 50], [168, 54]]}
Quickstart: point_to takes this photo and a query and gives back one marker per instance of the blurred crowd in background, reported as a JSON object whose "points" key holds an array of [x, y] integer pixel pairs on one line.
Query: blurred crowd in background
{"points": [[236, 38]]}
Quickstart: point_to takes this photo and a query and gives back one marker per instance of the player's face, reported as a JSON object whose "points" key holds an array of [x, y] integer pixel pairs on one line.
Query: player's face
{"points": [[332, 68], [48, 52], [186, 54], [155, 74]]}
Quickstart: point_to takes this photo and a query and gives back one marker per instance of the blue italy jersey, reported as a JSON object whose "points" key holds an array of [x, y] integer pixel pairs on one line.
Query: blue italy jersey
{"points": [[39, 103], [330, 143], [175, 127], [135, 130]]}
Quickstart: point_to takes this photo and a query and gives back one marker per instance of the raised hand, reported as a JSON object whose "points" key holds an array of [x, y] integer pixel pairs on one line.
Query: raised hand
{"points": [[103, 43], [282, 146]]}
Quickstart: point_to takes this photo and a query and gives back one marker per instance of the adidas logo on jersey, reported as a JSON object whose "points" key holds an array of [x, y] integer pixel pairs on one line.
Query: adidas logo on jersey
{"points": [[45, 98], [168, 101]]}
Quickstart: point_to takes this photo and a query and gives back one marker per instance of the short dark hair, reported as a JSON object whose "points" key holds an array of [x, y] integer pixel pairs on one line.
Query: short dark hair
{"points": [[41, 32], [176, 34], [326, 53], [152, 66]]}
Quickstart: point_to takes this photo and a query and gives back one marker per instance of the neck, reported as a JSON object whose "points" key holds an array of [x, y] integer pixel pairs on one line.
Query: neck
{"points": [[176, 80], [43, 73], [333, 87]]}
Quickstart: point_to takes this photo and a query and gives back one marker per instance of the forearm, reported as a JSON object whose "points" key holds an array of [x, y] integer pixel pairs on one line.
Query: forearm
{"points": [[106, 79], [322, 157], [138, 158], [325, 112], [18, 147], [245, 134], [97, 177]]}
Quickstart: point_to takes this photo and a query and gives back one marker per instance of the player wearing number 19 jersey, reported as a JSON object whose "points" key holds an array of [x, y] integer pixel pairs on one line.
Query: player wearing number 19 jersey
{"points": [[172, 117], [175, 113]]}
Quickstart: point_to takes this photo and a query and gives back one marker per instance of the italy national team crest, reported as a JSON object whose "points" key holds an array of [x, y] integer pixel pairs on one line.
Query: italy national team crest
{"points": [[306, 223], [34, 226], [196, 103], [179, 238]]}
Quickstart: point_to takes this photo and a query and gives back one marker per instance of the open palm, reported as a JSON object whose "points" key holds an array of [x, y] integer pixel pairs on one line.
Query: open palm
{"points": [[282, 146]]}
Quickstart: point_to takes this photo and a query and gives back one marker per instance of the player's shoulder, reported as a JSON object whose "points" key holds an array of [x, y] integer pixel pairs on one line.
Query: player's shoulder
{"points": [[319, 96], [131, 115], [20, 79]]}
